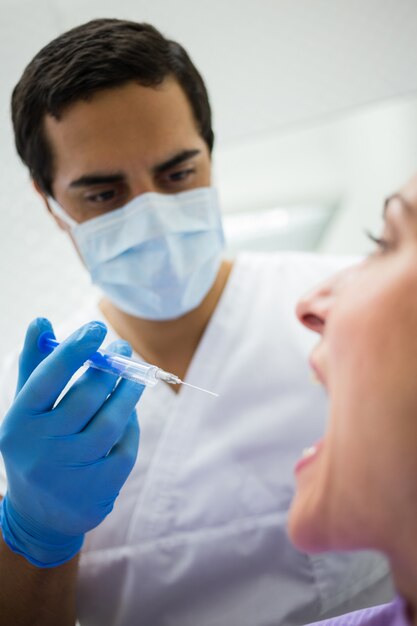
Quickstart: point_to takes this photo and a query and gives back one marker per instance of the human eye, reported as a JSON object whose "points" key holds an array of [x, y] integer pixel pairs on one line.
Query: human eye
{"points": [[177, 179], [105, 198], [101, 196], [181, 174], [383, 244]]}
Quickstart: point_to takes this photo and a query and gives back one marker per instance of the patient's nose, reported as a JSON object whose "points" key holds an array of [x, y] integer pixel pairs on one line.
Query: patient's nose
{"points": [[313, 308]]}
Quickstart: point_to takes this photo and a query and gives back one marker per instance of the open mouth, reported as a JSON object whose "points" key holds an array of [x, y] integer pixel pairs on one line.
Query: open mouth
{"points": [[308, 456]]}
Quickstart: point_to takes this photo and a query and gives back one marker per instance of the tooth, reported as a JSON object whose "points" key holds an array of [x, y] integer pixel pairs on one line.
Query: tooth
{"points": [[308, 451]]}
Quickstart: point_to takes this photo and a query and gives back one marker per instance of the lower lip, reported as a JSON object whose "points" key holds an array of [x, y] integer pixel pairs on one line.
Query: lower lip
{"points": [[306, 460]]}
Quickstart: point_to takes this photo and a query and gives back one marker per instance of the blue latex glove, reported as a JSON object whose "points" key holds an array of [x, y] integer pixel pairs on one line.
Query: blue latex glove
{"points": [[65, 465]]}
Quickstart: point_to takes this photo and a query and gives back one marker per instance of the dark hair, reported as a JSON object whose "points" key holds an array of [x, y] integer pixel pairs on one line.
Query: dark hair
{"points": [[97, 55]]}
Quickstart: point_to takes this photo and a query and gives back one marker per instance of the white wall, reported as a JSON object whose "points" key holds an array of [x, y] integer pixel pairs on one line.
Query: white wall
{"points": [[352, 161]]}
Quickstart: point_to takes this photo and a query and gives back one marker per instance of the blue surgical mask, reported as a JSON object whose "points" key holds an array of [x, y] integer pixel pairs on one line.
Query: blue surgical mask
{"points": [[158, 256]]}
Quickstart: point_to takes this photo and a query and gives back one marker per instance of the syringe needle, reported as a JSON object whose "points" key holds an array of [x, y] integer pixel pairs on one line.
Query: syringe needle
{"points": [[200, 389]]}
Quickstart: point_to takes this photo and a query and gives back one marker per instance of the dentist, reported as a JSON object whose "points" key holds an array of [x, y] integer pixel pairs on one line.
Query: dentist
{"points": [[114, 124]]}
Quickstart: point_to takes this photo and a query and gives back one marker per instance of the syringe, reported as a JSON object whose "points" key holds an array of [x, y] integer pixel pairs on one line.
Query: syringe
{"points": [[122, 366]]}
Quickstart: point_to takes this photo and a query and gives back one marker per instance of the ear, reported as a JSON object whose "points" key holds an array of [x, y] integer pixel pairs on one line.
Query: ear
{"points": [[44, 198]]}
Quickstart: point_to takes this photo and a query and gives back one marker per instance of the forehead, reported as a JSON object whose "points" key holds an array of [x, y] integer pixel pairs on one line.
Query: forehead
{"points": [[120, 124]]}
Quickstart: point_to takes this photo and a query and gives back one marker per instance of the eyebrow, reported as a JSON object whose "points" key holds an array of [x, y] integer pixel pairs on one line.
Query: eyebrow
{"points": [[96, 179], [177, 159], [99, 178]]}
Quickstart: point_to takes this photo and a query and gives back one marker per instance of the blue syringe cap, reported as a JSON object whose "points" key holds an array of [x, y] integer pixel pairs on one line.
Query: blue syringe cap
{"points": [[44, 341]]}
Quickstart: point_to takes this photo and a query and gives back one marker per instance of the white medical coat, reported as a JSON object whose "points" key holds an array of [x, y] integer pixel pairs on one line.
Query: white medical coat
{"points": [[198, 534]]}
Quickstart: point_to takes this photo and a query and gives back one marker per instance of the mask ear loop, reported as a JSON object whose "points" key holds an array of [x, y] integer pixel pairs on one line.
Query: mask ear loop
{"points": [[58, 211]]}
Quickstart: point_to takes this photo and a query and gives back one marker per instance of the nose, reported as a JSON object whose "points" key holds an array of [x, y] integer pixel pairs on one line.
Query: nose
{"points": [[313, 308]]}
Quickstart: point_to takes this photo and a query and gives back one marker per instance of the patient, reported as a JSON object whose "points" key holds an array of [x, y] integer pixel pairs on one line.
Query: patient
{"points": [[357, 488]]}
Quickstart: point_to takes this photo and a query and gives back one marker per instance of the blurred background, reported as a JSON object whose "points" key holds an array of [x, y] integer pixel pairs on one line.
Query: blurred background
{"points": [[315, 114]]}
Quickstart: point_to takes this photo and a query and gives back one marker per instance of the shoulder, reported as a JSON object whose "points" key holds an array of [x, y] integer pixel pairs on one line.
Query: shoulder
{"points": [[287, 273]]}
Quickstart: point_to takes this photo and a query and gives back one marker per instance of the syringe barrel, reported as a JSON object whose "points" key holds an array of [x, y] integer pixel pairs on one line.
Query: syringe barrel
{"points": [[110, 362], [124, 367]]}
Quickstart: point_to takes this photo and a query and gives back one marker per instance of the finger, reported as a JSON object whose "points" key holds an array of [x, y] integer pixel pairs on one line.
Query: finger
{"points": [[122, 457], [108, 425], [31, 356], [47, 381], [87, 395]]}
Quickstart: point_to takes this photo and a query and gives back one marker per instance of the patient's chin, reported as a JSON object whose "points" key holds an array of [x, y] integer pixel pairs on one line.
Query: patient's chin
{"points": [[306, 527]]}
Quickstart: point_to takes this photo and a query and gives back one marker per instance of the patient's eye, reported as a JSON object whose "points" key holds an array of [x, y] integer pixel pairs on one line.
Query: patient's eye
{"points": [[380, 242], [384, 244]]}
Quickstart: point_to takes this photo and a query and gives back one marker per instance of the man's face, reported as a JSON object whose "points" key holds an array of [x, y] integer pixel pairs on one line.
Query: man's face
{"points": [[124, 142]]}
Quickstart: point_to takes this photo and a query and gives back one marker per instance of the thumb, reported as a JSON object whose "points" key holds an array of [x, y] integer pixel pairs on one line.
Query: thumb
{"points": [[31, 355]]}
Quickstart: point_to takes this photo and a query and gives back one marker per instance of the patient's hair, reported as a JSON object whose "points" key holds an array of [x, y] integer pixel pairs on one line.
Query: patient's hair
{"points": [[100, 54]]}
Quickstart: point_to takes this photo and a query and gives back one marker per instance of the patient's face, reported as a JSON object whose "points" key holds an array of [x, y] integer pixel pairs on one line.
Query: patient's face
{"points": [[353, 485]]}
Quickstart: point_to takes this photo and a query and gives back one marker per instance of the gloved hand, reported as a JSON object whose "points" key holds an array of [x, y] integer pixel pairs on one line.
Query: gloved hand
{"points": [[66, 464]]}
